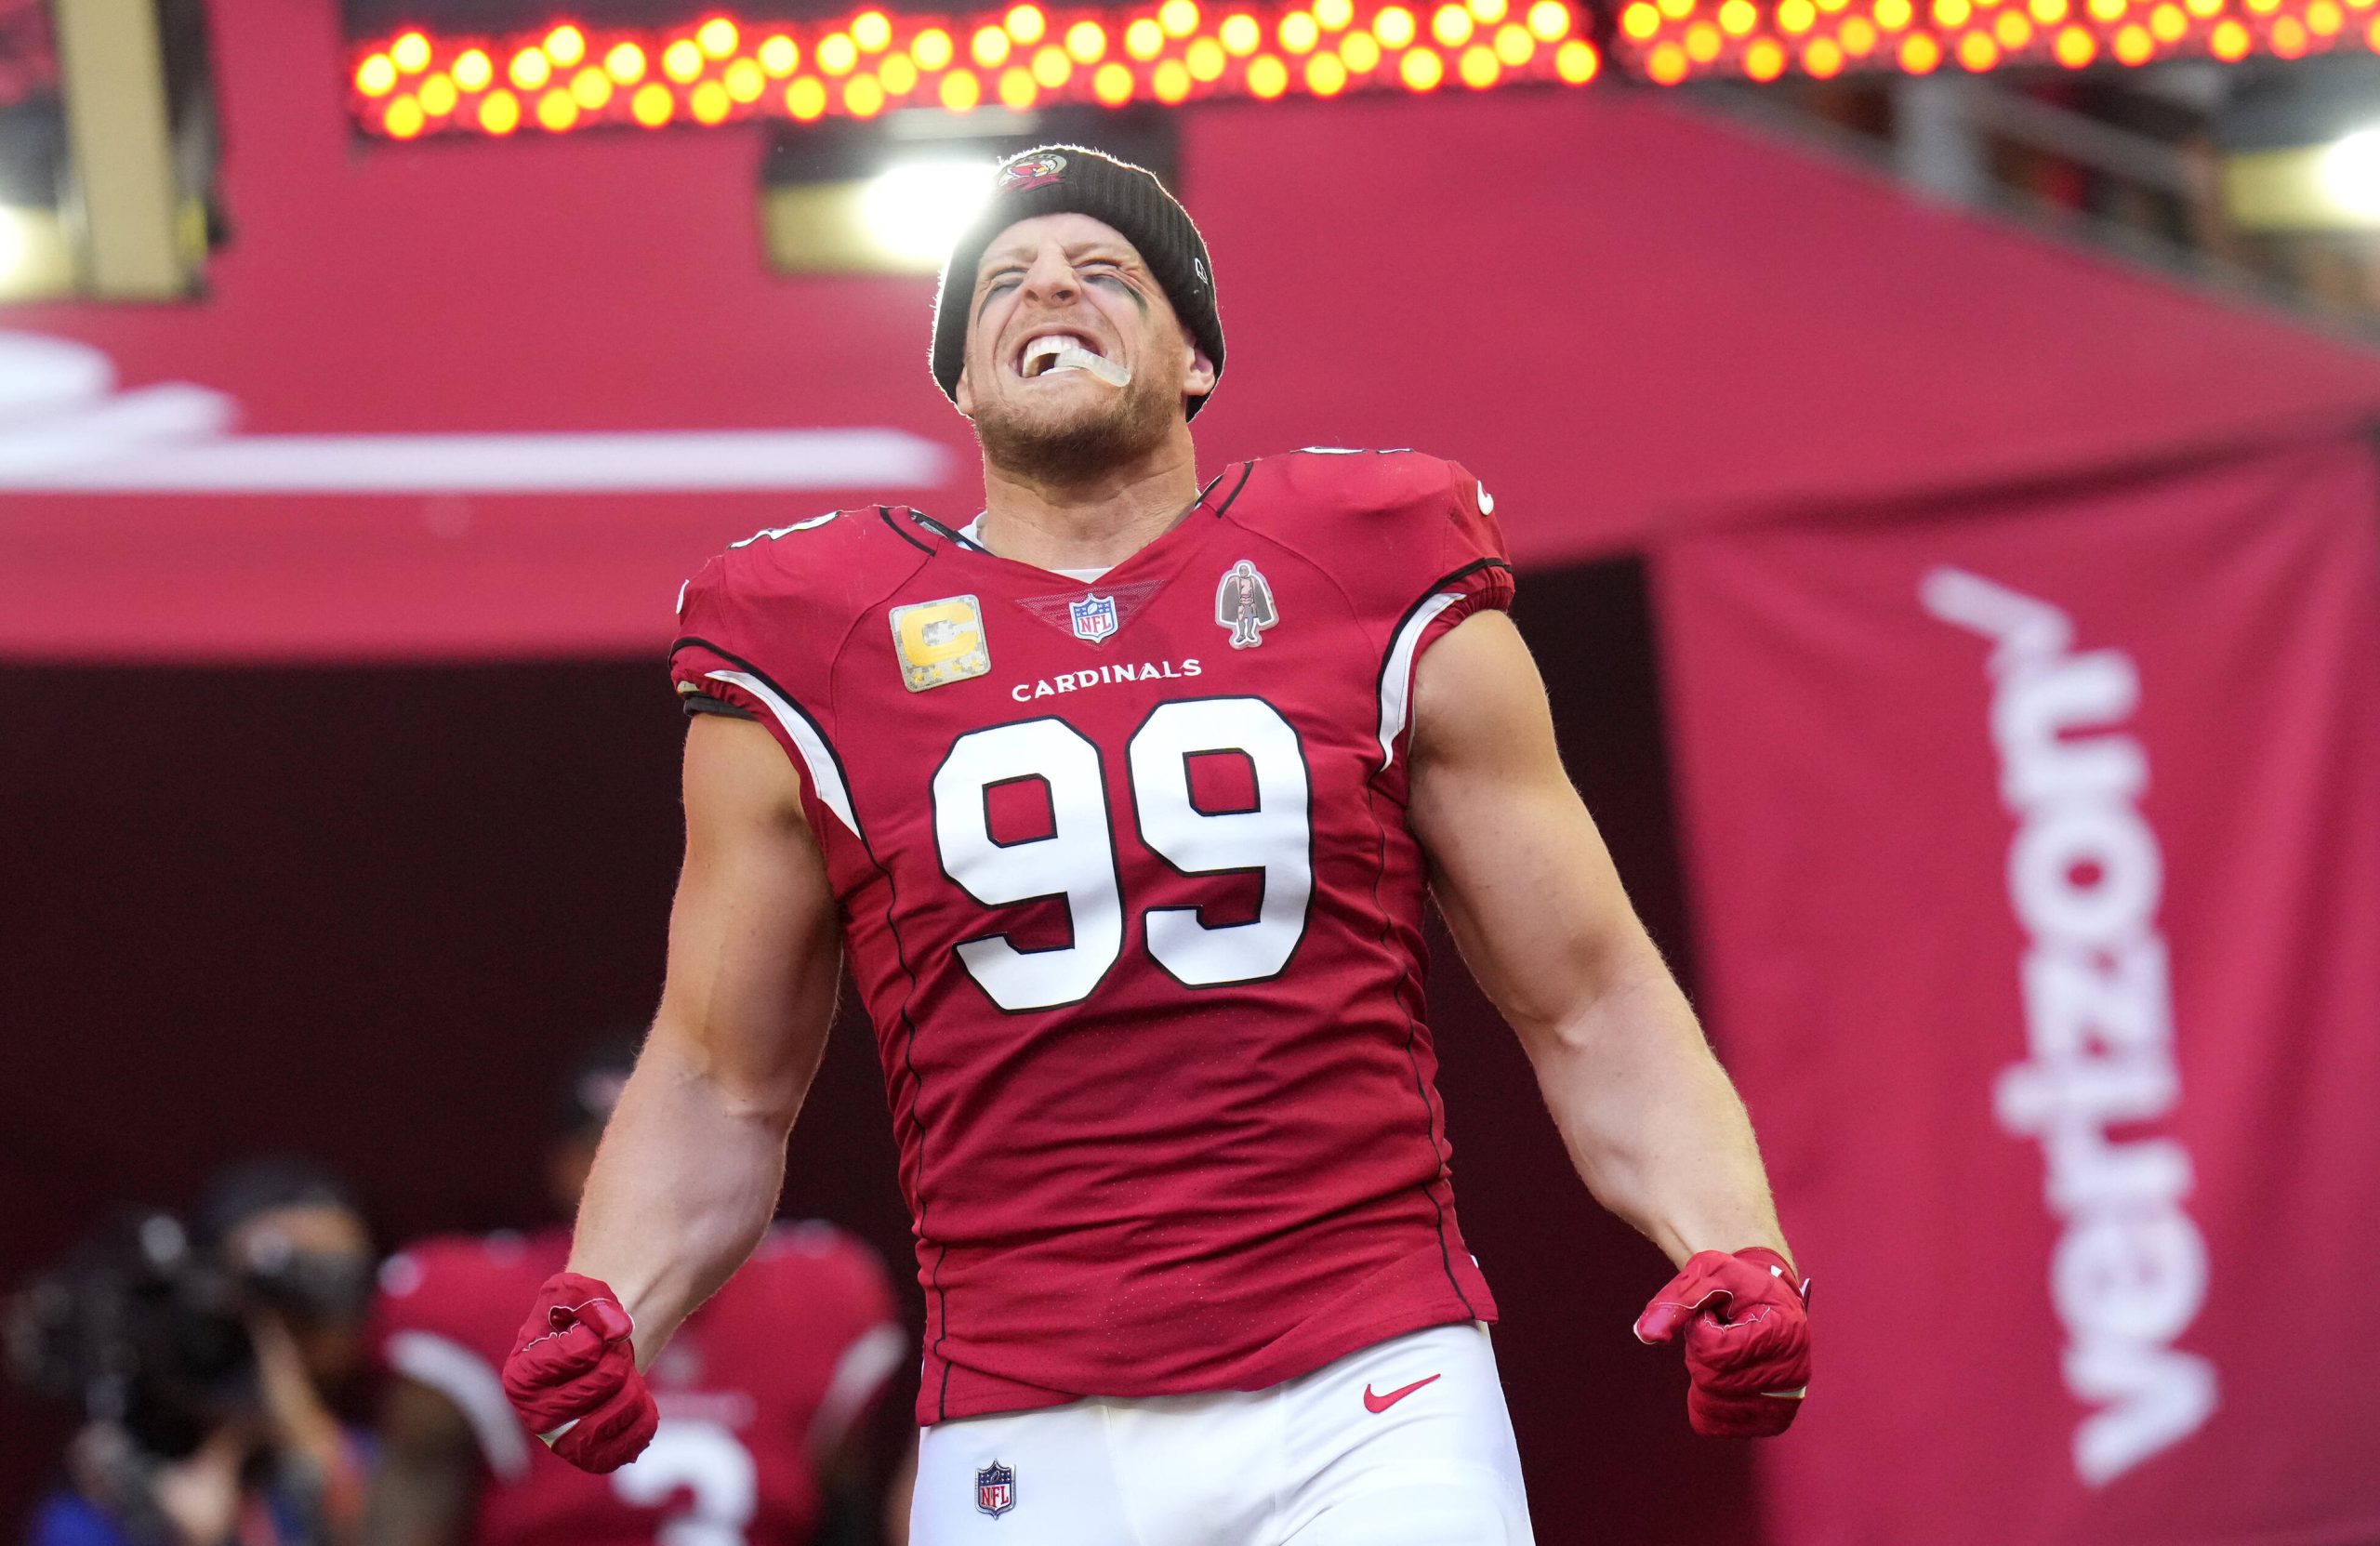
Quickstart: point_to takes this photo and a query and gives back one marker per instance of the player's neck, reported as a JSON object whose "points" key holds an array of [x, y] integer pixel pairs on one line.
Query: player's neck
{"points": [[1096, 524]]}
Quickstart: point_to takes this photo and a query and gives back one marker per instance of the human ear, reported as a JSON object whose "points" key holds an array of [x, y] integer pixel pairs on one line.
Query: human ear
{"points": [[1199, 372]]}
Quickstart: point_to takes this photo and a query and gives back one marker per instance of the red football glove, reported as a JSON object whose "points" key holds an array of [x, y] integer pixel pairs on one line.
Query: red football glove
{"points": [[1746, 1326], [574, 1379]]}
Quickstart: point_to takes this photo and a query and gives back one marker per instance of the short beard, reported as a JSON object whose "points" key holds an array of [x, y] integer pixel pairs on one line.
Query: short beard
{"points": [[1124, 432]]}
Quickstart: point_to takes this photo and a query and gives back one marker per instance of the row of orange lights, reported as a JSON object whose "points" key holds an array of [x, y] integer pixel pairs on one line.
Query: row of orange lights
{"points": [[719, 70], [1670, 41]]}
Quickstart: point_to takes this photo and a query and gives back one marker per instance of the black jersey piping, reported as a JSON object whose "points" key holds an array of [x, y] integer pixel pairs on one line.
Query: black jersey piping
{"points": [[704, 703], [930, 524], [1474, 567], [938, 529], [1379, 880], [909, 1026], [841, 772], [885, 514], [1246, 468]]}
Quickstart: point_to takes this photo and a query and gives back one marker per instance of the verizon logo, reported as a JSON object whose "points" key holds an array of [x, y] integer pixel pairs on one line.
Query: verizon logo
{"points": [[2086, 875]]}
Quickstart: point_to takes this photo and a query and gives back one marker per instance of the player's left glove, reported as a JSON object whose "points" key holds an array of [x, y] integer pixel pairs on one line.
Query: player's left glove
{"points": [[572, 1376], [1747, 1326]]}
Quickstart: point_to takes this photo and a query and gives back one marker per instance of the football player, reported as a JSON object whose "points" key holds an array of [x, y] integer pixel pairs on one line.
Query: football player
{"points": [[761, 1394], [1121, 803]]}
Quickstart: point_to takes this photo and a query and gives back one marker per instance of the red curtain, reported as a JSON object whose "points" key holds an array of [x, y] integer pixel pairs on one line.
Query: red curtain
{"points": [[2035, 845]]}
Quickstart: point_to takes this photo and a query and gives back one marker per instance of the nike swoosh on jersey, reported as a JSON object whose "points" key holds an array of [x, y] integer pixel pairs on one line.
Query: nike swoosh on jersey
{"points": [[1377, 1404]]}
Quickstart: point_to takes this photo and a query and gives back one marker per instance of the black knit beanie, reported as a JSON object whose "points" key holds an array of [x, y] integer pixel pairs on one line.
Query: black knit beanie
{"points": [[1054, 179]]}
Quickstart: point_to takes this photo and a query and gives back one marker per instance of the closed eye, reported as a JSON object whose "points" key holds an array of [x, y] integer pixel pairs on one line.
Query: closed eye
{"points": [[997, 284]]}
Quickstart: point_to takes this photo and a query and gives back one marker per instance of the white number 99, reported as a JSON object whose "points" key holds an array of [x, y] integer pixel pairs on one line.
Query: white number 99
{"points": [[1077, 860]]}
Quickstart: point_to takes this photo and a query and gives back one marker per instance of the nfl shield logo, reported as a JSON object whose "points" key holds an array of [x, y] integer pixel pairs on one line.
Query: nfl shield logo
{"points": [[996, 1489], [1094, 617]]}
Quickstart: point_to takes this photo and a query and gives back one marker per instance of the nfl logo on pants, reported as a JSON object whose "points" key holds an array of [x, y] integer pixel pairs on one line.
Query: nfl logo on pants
{"points": [[996, 1489]]}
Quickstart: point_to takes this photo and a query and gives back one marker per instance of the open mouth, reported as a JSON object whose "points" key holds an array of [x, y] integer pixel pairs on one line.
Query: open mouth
{"points": [[1049, 353]]}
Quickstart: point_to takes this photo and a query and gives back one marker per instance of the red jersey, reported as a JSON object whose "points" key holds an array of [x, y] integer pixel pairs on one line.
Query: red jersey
{"points": [[1127, 885], [755, 1390]]}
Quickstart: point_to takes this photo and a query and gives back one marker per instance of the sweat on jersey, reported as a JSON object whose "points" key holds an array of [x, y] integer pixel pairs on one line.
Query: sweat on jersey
{"points": [[1127, 887]]}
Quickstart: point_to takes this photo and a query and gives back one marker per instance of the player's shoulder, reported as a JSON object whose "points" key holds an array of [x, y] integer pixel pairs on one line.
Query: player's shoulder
{"points": [[823, 570], [1321, 479], [1385, 525], [439, 1275]]}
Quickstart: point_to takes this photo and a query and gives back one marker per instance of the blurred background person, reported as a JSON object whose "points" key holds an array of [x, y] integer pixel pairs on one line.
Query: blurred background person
{"points": [[204, 1363], [293, 1236], [764, 1397]]}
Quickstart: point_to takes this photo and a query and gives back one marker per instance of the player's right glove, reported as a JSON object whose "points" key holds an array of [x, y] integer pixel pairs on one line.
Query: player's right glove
{"points": [[572, 1376], [1747, 1326]]}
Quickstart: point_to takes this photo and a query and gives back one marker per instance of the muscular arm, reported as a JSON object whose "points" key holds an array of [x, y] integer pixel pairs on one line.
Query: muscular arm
{"points": [[693, 1157], [1520, 872]]}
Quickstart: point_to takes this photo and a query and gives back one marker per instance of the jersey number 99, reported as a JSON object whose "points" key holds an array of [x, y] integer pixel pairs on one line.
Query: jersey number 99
{"points": [[1077, 860]]}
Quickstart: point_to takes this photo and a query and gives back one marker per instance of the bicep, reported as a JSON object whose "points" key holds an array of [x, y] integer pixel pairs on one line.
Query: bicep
{"points": [[753, 944], [1518, 867]]}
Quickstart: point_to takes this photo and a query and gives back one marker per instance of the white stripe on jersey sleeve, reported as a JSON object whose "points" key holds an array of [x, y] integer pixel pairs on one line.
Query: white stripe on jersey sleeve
{"points": [[826, 778], [464, 1378], [1397, 679], [859, 1374]]}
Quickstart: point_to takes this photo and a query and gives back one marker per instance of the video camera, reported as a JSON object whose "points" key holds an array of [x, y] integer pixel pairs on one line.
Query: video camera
{"points": [[138, 1329]]}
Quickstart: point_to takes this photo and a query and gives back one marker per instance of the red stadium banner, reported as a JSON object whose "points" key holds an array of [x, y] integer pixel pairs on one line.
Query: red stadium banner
{"points": [[2036, 848]]}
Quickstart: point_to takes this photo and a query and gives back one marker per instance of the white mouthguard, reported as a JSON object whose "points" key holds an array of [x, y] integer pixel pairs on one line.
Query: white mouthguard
{"points": [[1076, 357]]}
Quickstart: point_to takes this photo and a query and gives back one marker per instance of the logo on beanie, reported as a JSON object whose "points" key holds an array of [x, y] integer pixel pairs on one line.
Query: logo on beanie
{"points": [[1039, 172]]}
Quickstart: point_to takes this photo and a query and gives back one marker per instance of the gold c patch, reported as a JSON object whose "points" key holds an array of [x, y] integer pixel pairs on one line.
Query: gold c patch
{"points": [[940, 643]]}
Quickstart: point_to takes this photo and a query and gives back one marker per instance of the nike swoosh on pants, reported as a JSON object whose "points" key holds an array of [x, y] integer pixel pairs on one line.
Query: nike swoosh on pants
{"points": [[1381, 1403]]}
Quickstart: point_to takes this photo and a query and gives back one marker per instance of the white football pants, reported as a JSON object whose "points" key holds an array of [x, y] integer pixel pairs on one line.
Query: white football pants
{"points": [[1404, 1444]]}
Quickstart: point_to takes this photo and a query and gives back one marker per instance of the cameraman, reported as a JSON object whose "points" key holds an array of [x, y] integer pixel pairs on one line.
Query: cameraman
{"points": [[294, 1239], [202, 1372]]}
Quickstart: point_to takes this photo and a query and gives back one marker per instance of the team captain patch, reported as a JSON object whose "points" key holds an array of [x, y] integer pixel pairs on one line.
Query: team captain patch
{"points": [[996, 1489], [940, 643]]}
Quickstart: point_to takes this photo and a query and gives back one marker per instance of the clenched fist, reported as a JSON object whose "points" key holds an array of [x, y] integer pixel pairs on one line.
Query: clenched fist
{"points": [[1747, 1325], [572, 1376]]}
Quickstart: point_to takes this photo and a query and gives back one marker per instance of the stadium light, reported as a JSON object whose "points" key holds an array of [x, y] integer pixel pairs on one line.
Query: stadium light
{"points": [[36, 260], [1023, 56], [15, 248], [2349, 174], [916, 209], [1113, 53]]}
